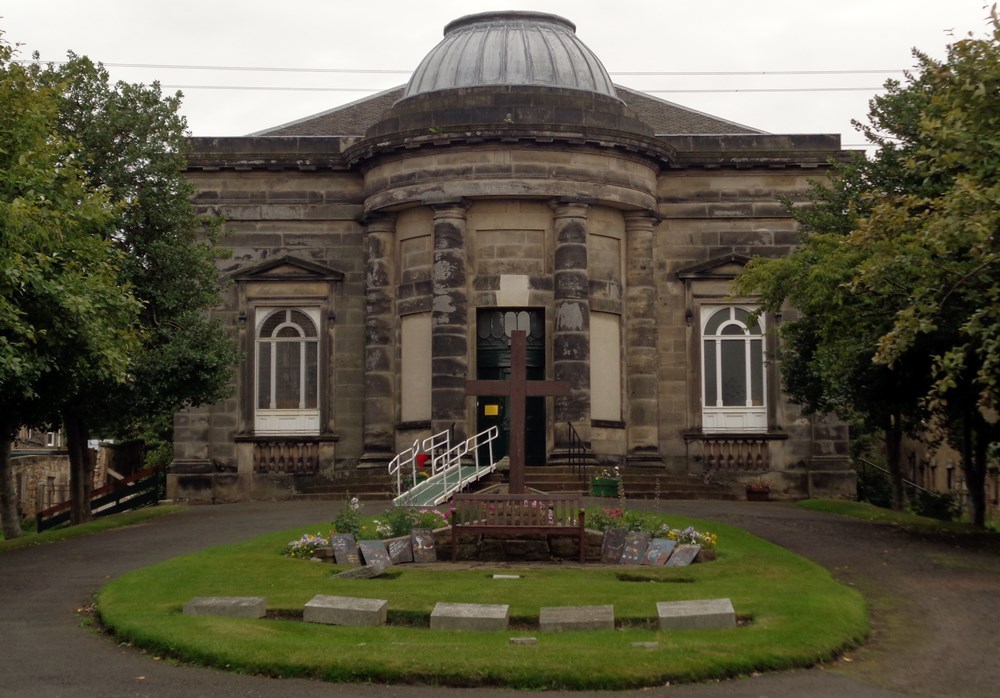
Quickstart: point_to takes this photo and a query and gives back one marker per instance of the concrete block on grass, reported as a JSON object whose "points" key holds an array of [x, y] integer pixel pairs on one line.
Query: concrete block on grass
{"points": [[696, 615], [563, 618], [231, 606], [345, 610], [469, 616]]}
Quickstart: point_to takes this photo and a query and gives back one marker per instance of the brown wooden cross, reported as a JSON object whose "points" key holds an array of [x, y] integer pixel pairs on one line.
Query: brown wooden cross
{"points": [[518, 389]]}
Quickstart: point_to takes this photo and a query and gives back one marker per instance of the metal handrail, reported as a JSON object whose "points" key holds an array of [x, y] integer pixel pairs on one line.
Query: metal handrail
{"points": [[449, 464], [429, 446], [906, 483], [577, 453]]}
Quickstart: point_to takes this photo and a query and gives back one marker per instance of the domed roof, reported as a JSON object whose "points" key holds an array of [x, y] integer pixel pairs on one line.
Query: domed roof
{"points": [[510, 48]]}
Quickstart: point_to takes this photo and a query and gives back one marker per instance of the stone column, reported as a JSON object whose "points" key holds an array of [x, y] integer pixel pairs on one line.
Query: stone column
{"points": [[571, 321], [449, 320], [380, 341], [640, 339]]}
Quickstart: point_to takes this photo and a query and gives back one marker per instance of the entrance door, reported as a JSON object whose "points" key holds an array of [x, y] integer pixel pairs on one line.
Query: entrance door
{"points": [[494, 326]]}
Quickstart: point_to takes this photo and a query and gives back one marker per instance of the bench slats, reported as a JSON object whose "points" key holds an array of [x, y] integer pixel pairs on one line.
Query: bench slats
{"points": [[513, 514]]}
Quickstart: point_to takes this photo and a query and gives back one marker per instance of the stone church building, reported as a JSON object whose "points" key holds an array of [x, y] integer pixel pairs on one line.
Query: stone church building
{"points": [[383, 252]]}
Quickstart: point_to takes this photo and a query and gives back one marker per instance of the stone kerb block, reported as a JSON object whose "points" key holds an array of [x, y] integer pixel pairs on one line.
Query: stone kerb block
{"points": [[231, 606], [562, 618], [469, 616], [696, 615], [345, 610]]}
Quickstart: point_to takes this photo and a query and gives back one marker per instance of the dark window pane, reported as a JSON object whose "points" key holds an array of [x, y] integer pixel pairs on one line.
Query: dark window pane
{"points": [[289, 331], [305, 322], [264, 375], [312, 375], [719, 317], [731, 330], [272, 321], [709, 368], [757, 373], [287, 372], [734, 374]]}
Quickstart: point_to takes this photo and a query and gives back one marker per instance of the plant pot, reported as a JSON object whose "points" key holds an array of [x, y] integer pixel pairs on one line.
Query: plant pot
{"points": [[604, 487], [758, 495]]}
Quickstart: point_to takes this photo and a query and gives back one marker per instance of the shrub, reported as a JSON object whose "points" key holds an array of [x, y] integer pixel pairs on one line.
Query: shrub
{"points": [[349, 519], [305, 547], [873, 487], [944, 506]]}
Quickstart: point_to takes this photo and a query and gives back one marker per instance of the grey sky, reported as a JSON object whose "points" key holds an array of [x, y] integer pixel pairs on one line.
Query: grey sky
{"points": [[628, 36]]}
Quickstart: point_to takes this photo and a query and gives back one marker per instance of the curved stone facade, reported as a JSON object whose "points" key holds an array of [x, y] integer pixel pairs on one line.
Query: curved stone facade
{"points": [[499, 189]]}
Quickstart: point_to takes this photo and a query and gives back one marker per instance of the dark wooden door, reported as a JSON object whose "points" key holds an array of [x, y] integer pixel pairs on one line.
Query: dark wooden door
{"points": [[493, 363]]}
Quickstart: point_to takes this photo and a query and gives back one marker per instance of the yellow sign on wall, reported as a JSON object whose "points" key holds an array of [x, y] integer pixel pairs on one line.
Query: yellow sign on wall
{"points": [[491, 410]]}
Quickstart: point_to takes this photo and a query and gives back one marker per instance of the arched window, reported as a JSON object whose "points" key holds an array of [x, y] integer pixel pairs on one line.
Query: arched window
{"points": [[733, 379], [287, 375]]}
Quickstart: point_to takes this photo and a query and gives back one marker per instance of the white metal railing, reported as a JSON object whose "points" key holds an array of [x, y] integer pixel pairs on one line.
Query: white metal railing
{"points": [[446, 471], [431, 446]]}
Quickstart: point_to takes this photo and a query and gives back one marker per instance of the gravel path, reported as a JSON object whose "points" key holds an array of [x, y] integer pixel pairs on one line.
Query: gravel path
{"points": [[935, 607]]}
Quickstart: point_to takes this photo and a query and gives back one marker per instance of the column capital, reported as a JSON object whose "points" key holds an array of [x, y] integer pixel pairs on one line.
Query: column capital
{"points": [[378, 222], [641, 220], [449, 208], [565, 207]]}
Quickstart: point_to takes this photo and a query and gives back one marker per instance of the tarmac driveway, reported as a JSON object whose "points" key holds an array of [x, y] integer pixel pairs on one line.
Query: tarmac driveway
{"points": [[935, 607]]}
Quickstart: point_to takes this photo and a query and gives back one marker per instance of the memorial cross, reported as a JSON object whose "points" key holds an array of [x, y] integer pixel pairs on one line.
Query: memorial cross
{"points": [[518, 389]]}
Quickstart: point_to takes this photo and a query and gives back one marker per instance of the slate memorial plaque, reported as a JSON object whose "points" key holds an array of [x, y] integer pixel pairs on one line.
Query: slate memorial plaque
{"points": [[374, 552], [684, 555], [659, 551], [400, 550], [636, 543], [345, 550], [422, 541], [614, 544]]}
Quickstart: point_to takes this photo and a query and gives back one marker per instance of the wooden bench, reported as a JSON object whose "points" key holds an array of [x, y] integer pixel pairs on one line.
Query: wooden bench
{"points": [[516, 514]]}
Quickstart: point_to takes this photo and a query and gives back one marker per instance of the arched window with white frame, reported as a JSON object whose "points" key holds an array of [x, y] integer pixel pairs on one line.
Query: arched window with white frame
{"points": [[733, 377], [286, 358]]}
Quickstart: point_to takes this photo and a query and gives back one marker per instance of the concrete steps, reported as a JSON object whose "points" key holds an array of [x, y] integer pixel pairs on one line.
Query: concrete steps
{"points": [[640, 483]]}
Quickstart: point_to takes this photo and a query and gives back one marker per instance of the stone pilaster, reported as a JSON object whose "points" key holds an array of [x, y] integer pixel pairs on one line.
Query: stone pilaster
{"points": [[380, 340], [571, 320], [449, 320], [640, 341]]}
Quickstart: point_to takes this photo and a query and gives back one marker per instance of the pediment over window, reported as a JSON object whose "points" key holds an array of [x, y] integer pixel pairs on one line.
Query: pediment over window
{"points": [[727, 267], [289, 268]]}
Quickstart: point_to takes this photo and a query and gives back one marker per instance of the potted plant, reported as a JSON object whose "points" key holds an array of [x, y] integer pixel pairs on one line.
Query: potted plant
{"points": [[758, 490], [605, 483]]}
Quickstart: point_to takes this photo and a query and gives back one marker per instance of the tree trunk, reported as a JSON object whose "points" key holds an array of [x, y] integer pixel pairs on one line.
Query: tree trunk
{"points": [[11, 521], [893, 457], [81, 479], [976, 441]]}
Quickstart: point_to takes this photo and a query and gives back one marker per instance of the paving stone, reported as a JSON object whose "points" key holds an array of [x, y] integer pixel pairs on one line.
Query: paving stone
{"points": [[469, 616], [233, 606], [345, 610], [696, 615], [562, 618]]}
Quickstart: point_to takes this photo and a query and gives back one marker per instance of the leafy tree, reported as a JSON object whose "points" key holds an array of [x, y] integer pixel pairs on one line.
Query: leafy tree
{"points": [[129, 140], [898, 272], [65, 316]]}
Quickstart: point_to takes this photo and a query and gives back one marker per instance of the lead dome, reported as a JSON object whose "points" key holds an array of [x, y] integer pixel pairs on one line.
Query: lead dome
{"points": [[510, 48]]}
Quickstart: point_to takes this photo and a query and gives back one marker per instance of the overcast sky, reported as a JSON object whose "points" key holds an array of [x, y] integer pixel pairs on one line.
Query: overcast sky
{"points": [[319, 40]]}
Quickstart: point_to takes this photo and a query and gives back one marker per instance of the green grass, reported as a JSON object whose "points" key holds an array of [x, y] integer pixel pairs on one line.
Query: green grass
{"points": [[128, 518], [796, 615], [956, 532]]}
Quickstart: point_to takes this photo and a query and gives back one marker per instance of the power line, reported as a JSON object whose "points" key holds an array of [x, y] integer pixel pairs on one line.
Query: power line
{"points": [[277, 88], [377, 71]]}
